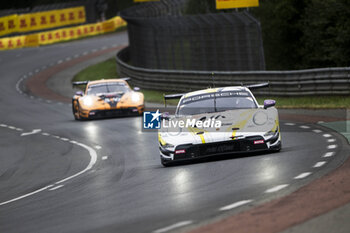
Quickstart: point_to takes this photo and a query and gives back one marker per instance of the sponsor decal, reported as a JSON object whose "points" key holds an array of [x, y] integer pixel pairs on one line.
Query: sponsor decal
{"points": [[227, 4], [180, 151], [258, 142], [112, 101], [224, 94]]}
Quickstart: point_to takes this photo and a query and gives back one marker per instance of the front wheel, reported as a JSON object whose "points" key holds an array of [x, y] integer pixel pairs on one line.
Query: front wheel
{"points": [[75, 109], [276, 148], [165, 163]]}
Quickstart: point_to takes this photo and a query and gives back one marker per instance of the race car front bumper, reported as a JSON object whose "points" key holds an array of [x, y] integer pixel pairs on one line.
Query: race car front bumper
{"points": [[192, 151], [132, 111]]}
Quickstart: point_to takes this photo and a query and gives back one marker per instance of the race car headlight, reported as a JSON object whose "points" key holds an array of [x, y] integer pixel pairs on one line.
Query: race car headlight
{"points": [[260, 118], [88, 101], [135, 97], [175, 132], [271, 133], [168, 146]]}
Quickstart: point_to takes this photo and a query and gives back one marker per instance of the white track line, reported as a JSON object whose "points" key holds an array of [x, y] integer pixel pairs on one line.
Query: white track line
{"points": [[326, 135], [276, 188], [331, 140], [26, 195], [320, 164], [328, 154], [235, 205], [174, 226], [302, 175], [290, 124], [304, 127], [35, 131], [317, 131], [104, 157], [331, 146], [56, 187], [93, 159]]}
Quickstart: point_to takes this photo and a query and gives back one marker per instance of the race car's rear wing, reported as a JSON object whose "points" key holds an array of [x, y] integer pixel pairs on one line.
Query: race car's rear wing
{"points": [[172, 96], [250, 86], [80, 83], [86, 82], [256, 86]]}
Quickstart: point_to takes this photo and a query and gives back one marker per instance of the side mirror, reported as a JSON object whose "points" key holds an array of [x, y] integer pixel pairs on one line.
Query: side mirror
{"points": [[79, 93], [136, 89], [165, 116], [269, 103]]}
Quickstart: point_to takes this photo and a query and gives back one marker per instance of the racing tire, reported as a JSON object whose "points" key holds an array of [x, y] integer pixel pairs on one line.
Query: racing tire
{"points": [[165, 163], [75, 111], [276, 148]]}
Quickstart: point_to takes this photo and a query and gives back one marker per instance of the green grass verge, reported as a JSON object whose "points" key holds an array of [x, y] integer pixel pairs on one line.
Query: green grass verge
{"points": [[107, 69], [103, 70]]}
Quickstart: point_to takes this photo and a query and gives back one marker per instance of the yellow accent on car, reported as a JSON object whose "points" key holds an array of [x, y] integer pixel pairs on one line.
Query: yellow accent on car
{"points": [[242, 123], [194, 131], [275, 126], [161, 140]]}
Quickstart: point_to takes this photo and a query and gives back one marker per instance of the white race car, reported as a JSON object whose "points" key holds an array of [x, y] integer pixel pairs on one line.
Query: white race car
{"points": [[218, 121]]}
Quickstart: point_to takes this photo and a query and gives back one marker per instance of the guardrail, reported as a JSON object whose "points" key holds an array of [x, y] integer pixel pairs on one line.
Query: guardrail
{"points": [[325, 81]]}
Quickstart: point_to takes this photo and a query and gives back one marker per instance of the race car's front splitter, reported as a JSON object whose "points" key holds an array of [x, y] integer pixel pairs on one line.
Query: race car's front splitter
{"points": [[132, 111], [192, 151]]}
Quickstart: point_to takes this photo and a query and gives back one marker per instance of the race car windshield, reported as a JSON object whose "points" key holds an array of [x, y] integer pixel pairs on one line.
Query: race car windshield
{"points": [[107, 88], [223, 101]]}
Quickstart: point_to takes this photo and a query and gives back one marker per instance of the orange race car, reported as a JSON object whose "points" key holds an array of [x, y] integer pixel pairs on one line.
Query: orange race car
{"points": [[107, 98]]}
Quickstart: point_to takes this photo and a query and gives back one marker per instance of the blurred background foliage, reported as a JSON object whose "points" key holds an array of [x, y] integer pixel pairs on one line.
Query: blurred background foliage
{"points": [[297, 34]]}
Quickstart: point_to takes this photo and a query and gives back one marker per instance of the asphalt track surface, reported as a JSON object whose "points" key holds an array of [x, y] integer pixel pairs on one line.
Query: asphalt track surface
{"points": [[60, 175]]}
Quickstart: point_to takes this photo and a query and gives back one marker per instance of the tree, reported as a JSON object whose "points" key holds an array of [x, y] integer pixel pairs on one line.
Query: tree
{"points": [[194, 7], [326, 39], [281, 28]]}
